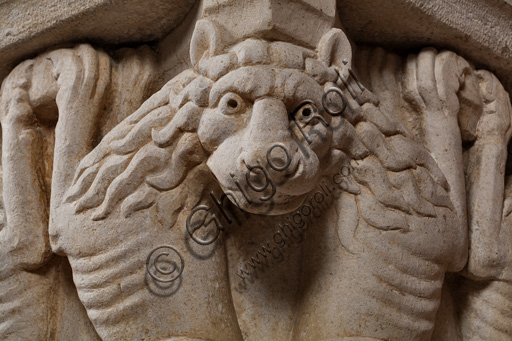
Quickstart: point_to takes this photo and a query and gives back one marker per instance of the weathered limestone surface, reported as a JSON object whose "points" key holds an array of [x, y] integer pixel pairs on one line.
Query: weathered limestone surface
{"points": [[255, 174], [479, 30], [31, 26]]}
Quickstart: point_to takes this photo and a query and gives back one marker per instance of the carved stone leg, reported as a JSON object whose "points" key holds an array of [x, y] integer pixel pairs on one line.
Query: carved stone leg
{"points": [[25, 294], [486, 293]]}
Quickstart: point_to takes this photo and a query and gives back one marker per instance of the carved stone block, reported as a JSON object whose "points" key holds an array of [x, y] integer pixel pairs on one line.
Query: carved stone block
{"points": [[280, 182]]}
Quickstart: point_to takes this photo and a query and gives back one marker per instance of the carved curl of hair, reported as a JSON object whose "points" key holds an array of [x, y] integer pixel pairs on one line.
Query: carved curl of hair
{"points": [[151, 151]]}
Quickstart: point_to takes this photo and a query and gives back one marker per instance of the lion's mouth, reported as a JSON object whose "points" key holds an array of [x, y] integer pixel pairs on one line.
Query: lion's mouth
{"points": [[293, 181]]}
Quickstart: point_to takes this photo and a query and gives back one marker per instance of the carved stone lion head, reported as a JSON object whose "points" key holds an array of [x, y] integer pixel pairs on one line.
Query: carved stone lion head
{"points": [[265, 130], [251, 110], [253, 114]]}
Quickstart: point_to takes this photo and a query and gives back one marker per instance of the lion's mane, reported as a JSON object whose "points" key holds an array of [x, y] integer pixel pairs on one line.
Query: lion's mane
{"points": [[156, 148]]}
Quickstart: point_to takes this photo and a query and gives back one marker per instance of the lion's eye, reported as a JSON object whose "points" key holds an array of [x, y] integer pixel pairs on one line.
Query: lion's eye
{"points": [[231, 104], [306, 113]]}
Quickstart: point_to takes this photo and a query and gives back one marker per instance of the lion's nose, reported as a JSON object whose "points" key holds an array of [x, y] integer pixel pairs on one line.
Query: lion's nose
{"points": [[269, 121], [269, 137]]}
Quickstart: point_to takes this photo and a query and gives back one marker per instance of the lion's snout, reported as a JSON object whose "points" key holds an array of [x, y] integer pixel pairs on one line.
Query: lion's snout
{"points": [[270, 149]]}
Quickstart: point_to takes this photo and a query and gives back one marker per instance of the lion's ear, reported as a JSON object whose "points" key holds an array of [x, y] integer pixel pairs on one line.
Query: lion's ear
{"points": [[207, 39], [334, 49]]}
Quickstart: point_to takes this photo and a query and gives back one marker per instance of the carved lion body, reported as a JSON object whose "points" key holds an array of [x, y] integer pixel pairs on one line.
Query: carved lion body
{"points": [[373, 265], [134, 192]]}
